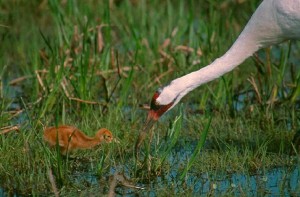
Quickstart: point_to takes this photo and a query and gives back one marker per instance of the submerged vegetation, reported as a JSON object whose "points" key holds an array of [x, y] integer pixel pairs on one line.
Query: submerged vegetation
{"points": [[95, 64]]}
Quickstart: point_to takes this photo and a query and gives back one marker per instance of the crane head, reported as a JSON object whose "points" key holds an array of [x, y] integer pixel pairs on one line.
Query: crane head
{"points": [[156, 108]]}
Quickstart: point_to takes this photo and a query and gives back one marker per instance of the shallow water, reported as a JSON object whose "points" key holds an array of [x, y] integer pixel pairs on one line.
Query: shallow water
{"points": [[278, 181], [274, 182], [283, 181]]}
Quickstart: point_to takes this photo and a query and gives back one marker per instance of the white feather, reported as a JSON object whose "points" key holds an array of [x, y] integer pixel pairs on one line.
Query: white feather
{"points": [[274, 21]]}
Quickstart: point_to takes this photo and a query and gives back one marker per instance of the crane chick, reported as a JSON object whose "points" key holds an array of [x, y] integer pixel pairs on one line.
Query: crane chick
{"points": [[70, 138]]}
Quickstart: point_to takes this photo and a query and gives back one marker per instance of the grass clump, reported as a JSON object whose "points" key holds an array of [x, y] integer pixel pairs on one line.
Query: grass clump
{"points": [[93, 64]]}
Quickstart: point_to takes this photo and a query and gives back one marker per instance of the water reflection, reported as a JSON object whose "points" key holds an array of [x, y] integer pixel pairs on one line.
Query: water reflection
{"points": [[278, 181], [281, 181]]}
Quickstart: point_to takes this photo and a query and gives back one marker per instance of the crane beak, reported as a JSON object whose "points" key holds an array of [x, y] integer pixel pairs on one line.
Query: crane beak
{"points": [[150, 121]]}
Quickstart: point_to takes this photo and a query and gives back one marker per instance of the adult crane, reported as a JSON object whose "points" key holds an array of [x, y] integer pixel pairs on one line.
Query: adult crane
{"points": [[273, 22]]}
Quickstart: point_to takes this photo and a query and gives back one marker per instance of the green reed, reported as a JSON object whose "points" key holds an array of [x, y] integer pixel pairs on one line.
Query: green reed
{"points": [[197, 149], [91, 65]]}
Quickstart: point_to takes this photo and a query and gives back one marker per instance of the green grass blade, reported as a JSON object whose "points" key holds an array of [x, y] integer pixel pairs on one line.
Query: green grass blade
{"points": [[198, 148], [174, 134]]}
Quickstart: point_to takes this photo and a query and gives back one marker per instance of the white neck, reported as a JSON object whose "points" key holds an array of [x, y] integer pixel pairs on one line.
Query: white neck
{"points": [[273, 22], [179, 87]]}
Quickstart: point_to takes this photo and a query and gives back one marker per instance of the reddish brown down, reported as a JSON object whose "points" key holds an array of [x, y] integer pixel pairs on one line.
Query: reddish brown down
{"points": [[70, 138]]}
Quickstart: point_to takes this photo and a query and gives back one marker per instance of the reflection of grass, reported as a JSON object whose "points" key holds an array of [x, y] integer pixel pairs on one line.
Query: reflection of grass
{"points": [[82, 64]]}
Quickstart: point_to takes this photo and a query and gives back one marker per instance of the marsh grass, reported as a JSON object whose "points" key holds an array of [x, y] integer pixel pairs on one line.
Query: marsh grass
{"points": [[92, 64]]}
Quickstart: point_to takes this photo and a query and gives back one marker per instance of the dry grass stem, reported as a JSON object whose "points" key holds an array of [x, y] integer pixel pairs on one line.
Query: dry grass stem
{"points": [[18, 80], [253, 83], [85, 101], [157, 79], [100, 41], [8, 129], [40, 80], [53, 184]]}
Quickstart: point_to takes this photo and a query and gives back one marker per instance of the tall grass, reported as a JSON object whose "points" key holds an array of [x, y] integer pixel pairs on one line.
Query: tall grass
{"points": [[93, 64], [197, 149]]}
